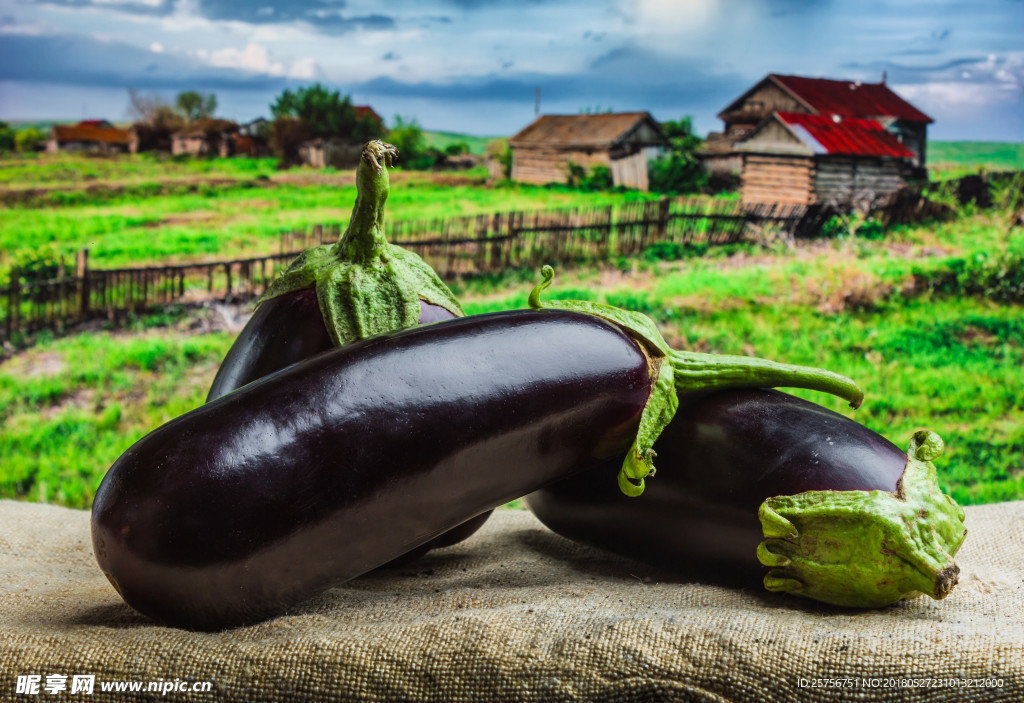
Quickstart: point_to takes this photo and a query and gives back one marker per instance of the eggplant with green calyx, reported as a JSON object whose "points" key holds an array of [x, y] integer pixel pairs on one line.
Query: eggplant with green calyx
{"points": [[752, 478], [338, 293], [242, 508]]}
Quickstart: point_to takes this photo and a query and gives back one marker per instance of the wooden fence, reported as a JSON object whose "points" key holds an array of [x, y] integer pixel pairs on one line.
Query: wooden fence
{"points": [[459, 246], [477, 244]]}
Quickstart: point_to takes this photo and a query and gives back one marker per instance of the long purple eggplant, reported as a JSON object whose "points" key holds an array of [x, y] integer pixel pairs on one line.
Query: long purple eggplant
{"points": [[849, 518], [336, 465]]}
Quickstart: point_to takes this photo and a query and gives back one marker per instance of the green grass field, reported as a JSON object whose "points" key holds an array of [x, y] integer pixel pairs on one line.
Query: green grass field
{"points": [[952, 159], [927, 319], [160, 210]]}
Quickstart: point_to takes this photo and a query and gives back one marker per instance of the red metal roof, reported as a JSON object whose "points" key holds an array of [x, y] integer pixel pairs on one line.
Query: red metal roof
{"points": [[850, 98], [844, 135]]}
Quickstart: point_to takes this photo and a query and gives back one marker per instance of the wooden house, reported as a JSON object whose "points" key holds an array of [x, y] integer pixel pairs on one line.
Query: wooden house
{"points": [[337, 153], [94, 136], [624, 142], [797, 158], [207, 136], [815, 96]]}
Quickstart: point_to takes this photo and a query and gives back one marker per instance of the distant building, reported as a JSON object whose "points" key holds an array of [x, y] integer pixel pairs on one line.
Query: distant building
{"points": [[797, 139], [367, 112], [624, 142], [94, 136], [253, 138], [207, 136]]}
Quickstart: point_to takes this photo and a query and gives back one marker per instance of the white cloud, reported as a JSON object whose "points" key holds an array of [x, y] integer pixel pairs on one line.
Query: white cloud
{"points": [[665, 19], [156, 47], [304, 69], [253, 58]]}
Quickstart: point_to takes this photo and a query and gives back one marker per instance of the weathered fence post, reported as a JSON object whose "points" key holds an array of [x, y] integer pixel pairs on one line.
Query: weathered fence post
{"points": [[82, 274]]}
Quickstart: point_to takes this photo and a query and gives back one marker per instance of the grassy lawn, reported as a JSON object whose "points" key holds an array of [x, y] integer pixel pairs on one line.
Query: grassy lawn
{"points": [[210, 213]]}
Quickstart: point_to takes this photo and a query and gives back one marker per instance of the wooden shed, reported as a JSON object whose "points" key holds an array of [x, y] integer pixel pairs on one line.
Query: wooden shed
{"points": [[624, 142], [814, 96], [796, 158]]}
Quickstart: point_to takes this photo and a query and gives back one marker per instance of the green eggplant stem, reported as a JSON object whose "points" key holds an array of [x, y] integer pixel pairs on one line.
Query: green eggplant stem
{"points": [[677, 373], [866, 549], [364, 238], [364, 284]]}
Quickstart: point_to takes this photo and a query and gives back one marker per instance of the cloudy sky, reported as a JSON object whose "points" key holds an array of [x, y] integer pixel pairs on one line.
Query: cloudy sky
{"points": [[473, 65]]}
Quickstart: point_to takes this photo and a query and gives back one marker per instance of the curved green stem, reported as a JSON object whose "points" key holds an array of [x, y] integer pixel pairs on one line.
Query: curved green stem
{"points": [[364, 238], [365, 285], [866, 549], [679, 372]]}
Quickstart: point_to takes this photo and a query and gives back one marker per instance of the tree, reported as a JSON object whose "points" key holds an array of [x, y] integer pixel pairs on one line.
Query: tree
{"points": [[196, 106], [679, 171], [326, 113], [408, 138], [154, 120], [6, 137]]}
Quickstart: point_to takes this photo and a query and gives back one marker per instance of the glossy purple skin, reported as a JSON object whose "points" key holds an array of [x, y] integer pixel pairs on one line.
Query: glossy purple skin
{"points": [[286, 330], [283, 331], [721, 456], [244, 507]]}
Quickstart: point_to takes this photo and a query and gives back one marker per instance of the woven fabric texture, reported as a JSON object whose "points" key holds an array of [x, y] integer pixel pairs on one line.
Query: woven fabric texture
{"points": [[517, 613]]}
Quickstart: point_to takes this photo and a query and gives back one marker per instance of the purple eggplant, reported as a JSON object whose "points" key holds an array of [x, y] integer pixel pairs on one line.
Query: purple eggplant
{"points": [[849, 518], [290, 323], [242, 508], [339, 293]]}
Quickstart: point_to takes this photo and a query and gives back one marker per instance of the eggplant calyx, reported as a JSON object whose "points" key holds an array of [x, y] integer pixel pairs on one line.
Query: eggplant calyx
{"points": [[364, 284], [687, 372], [866, 549]]}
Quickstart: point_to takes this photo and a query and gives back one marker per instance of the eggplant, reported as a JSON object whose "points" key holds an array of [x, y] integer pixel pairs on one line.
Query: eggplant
{"points": [[849, 518], [289, 324], [338, 293], [245, 506]]}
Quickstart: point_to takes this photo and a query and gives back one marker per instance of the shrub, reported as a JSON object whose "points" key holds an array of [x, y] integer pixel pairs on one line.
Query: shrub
{"points": [[28, 139], [599, 177], [678, 171]]}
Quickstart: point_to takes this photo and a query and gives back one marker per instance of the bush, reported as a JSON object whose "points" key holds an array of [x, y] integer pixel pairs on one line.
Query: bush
{"points": [[678, 171], [674, 251], [498, 150], [38, 264], [28, 139], [993, 275], [407, 137], [598, 178]]}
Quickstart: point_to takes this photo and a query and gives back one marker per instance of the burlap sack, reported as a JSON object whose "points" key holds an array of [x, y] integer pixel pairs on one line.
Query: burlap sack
{"points": [[518, 613]]}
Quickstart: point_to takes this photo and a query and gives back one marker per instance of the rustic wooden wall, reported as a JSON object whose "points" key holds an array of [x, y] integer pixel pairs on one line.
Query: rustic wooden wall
{"points": [[777, 178], [548, 165], [844, 179]]}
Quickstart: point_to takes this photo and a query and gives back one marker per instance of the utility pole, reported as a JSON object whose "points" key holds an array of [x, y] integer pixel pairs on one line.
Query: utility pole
{"points": [[536, 101]]}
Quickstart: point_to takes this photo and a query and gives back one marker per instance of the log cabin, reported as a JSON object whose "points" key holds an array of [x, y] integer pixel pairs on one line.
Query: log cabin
{"points": [[797, 158], [824, 98], [624, 142]]}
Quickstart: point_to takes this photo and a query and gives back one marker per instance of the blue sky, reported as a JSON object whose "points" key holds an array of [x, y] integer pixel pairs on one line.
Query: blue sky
{"points": [[473, 65]]}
